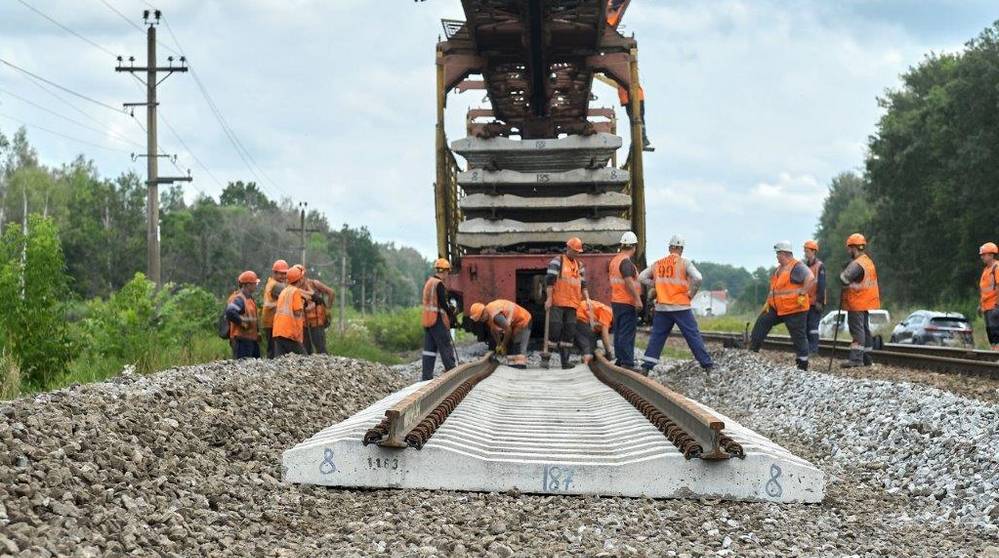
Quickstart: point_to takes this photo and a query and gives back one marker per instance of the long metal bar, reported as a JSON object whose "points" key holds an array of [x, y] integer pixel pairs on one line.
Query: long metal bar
{"points": [[440, 185]]}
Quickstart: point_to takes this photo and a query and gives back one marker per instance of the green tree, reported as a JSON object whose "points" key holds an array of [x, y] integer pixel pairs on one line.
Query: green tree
{"points": [[724, 277]]}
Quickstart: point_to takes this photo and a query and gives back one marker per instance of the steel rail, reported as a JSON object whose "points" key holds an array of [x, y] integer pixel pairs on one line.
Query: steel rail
{"points": [[696, 432]]}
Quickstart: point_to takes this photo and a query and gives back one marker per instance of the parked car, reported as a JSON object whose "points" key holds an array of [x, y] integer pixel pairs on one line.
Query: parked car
{"points": [[879, 320], [926, 327]]}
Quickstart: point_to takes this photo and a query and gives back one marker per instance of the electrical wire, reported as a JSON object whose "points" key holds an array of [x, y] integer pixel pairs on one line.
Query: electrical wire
{"points": [[122, 16], [68, 119], [65, 28], [60, 134], [63, 88]]}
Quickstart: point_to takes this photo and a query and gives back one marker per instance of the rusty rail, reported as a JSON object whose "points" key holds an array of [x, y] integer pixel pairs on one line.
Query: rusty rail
{"points": [[413, 420], [694, 431]]}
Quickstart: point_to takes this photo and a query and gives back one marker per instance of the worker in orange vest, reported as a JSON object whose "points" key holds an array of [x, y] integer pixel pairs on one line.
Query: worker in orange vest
{"points": [[318, 297], [860, 296], [289, 315], [816, 295], [787, 303], [625, 98], [241, 311], [565, 288], [626, 299], [988, 293], [437, 318], [279, 274], [591, 322], [507, 321]]}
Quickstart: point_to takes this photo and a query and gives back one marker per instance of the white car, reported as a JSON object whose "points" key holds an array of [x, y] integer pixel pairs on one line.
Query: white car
{"points": [[880, 320]]}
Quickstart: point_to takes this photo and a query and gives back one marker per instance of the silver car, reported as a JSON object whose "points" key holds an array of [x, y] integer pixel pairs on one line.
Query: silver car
{"points": [[879, 322]]}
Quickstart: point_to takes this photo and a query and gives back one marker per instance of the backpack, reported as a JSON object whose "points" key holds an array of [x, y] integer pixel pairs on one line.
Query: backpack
{"points": [[223, 326]]}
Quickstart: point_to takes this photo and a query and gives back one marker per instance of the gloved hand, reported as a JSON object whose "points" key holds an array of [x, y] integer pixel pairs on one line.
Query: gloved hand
{"points": [[501, 350], [318, 298]]}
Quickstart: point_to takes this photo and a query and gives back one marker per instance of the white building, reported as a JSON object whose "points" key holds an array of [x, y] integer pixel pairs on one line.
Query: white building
{"points": [[710, 303]]}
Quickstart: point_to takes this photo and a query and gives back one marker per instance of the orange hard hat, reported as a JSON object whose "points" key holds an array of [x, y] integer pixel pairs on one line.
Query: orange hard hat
{"points": [[280, 266], [476, 311], [295, 274], [574, 243], [442, 263], [812, 245], [248, 277], [856, 239], [300, 266], [988, 248]]}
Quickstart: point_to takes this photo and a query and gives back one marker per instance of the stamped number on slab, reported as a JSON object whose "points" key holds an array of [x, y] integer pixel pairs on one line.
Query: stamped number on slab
{"points": [[555, 478]]}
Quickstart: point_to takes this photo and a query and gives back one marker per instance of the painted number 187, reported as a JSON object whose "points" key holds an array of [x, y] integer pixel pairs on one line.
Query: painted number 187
{"points": [[556, 479]]}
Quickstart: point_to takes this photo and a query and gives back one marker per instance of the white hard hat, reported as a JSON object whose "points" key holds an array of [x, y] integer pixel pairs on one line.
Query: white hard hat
{"points": [[676, 240], [629, 238], [783, 246]]}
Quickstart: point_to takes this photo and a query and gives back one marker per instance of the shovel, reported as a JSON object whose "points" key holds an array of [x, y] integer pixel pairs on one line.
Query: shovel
{"points": [[546, 357]]}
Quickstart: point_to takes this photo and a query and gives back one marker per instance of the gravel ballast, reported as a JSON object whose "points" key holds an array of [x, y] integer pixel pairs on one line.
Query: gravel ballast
{"points": [[187, 462]]}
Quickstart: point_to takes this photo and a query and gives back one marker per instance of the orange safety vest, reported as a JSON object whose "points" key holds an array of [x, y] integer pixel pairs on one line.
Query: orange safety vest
{"points": [[289, 316], [987, 286], [270, 302], [249, 331], [813, 291], [864, 295], [602, 314], [430, 309], [784, 296], [568, 288], [517, 316], [619, 283], [315, 314], [672, 286], [623, 96]]}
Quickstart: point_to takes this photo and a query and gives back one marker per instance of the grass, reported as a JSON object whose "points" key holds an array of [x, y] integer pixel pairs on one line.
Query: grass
{"points": [[734, 323], [10, 383]]}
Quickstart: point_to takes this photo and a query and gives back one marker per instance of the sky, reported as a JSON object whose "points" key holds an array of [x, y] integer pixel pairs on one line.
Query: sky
{"points": [[753, 105]]}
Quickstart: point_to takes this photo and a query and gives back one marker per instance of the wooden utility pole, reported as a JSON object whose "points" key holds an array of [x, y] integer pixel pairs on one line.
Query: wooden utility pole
{"points": [[302, 206], [363, 300], [343, 284], [153, 180]]}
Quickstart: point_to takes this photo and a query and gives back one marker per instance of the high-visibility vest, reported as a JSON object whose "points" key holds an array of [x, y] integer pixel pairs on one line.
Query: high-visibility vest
{"points": [[315, 314], [430, 309], [624, 97], [670, 278], [270, 302], [863, 295], [601, 315], [784, 296], [568, 288], [249, 330], [987, 287], [517, 316], [289, 316], [619, 283], [813, 290]]}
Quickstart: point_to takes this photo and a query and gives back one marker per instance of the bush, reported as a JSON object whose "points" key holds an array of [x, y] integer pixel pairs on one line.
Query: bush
{"points": [[396, 331]]}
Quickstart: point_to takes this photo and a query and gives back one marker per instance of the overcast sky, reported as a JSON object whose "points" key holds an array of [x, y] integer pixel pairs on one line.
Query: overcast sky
{"points": [[753, 105]]}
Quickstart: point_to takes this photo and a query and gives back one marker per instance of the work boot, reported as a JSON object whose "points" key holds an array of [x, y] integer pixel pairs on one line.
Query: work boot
{"points": [[647, 145], [852, 364], [519, 366], [802, 364], [867, 359], [645, 370]]}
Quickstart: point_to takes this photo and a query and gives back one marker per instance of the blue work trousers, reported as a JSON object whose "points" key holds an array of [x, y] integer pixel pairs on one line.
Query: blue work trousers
{"points": [[625, 321], [662, 325], [814, 316]]}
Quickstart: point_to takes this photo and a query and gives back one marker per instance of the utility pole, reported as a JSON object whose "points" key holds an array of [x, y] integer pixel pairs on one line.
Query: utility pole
{"points": [[343, 283], [152, 155], [301, 228], [362, 289]]}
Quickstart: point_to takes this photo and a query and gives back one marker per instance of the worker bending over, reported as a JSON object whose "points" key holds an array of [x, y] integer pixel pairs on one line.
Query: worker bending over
{"points": [[241, 311], [566, 289], [676, 281], [319, 299], [437, 318], [816, 294], [289, 315], [860, 296], [787, 303], [591, 322], [626, 299], [279, 275], [988, 295], [508, 322]]}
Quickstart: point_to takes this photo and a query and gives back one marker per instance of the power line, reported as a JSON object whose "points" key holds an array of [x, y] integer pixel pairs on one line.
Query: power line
{"points": [[72, 120], [65, 28], [123, 16], [66, 89], [189, 152], [60, 134]]}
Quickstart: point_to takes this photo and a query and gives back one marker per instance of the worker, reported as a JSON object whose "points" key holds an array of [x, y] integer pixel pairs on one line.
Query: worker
{"points": [[626, 299], [510, 325], [676, 281], [437, 319], [565, 289], [614, 9], [860, 296], [591, 322], [624, 97], [279, 274], [289, 315], [787, 303], [318, 300], [989, 296], [241, 311], [816, 294]]}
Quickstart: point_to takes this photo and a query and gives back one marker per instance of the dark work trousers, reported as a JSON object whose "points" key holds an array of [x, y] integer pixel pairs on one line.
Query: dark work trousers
{"points": [[437, 339], [315, 340], [586, 340], [284, 346], [641, 110], [662, 325], [562, 330], [269, 339], [814, 316], [625, 322], [859, 323], [245, 348], [796, 325], [991, 318]]}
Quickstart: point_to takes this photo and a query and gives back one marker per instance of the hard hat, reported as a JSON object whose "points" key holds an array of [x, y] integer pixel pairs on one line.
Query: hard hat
{"points": [[988, 248], [629, 238], [856, 239], [442, 263], [280, 266], [574, 243], [476, 311], [782, 246], [676, 240], [295, 274], [812, 245], [248, 277]]}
